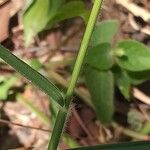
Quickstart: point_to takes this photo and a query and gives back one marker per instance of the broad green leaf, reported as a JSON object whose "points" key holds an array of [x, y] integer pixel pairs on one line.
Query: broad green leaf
{"points": [[101, 87], [143, 145], [70, 10], [104, 32], [55, 5], [35, 19], [136, 56], [138, 77], [32, 75], [122, 81], [39, 15], [125, 79], [5, 86], [100, 56]]}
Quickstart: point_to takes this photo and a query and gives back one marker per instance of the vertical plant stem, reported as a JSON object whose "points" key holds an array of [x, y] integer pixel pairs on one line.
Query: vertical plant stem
{"points": [[61, 117]]}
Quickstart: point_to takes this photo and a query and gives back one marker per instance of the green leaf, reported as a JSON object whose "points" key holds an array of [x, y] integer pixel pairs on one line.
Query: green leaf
{"points": [[75, 8], [122, 81], [138, 77], [143, 145], [125, 79], [100, 56], [39, 15], [104, 32], [136, 56], [55, 5], [32, 75], [134, 119], [28, 4], [54, 111], [5, 86], [35, 19], [101, 87]]}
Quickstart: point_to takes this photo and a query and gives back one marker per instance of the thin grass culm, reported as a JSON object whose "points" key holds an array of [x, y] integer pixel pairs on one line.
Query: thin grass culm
{"points": [[61, 117]]}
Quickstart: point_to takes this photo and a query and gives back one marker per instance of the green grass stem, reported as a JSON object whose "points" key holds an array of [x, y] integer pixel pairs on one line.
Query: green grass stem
{"points": [[61, 117]]}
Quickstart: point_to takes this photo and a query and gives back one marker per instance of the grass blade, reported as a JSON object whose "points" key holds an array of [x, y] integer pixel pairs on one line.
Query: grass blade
{"points": [[32, 75], [121, 146]]}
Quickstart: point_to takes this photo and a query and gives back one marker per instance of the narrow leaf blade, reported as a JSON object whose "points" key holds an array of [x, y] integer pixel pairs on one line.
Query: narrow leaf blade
{"points": [[121, 146], [32, 75]]}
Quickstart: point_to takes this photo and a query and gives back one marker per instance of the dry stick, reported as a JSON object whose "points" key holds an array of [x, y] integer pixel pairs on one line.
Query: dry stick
{"points": [[3, 2], [134, 24], [4, 21], [130, 133], [23, 126], [71, 35], [134, 9], [82, 124], [62, 116], [141, 96]]}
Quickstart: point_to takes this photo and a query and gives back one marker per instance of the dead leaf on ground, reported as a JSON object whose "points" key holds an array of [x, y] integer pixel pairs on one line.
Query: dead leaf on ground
{"points": [[4, 21]]}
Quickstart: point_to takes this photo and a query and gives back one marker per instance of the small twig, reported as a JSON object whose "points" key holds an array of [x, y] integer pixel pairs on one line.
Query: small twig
{"points": [[72, 34], [4, 21], [141, 96], [63, 48], [145, 29], [134, 9], [6, 71], [23, 126], [3, 2], [82, 124], [131, 133]]}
